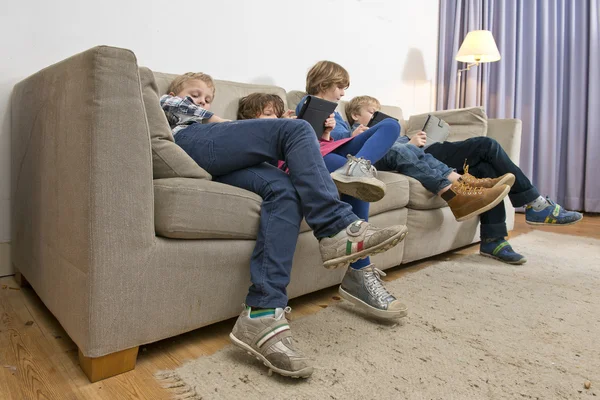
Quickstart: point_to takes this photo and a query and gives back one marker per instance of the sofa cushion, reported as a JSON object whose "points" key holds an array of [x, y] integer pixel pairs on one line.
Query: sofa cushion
{"points": [[168, 159], [464, 123], [421, 198], [227, 93], [202, 209], [396, 196]]}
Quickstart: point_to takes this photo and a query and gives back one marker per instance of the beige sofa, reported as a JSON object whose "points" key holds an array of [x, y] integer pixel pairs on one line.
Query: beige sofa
{"points": [[127, 241]]}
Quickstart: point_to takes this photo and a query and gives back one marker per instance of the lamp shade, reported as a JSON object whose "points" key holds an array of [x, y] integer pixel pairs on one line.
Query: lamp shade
{"points": [[478, 46]]}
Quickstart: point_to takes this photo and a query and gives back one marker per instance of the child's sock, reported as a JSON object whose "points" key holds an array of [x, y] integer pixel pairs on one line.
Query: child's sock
{"points": [[538, 204], [261, 312], [360, 263]]}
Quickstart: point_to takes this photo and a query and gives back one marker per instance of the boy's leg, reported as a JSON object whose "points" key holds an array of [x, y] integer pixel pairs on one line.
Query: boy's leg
{"points": [[412, 161], [403, 159], [373, 143], [485, 150], [357, 177], [539, 211], [226, 147], [270, 268], [280, 217], [362, 284]]}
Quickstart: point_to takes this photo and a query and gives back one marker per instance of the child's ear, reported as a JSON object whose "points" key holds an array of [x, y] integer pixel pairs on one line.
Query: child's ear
{"points": [[355, 117], [171, 94]]}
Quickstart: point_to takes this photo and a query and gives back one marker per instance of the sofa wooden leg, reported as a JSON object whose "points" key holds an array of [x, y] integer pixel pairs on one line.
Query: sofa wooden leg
{"points": [[21, 279], [109, 365]]}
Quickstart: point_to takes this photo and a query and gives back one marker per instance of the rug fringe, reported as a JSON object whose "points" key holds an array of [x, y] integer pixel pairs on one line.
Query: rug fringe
{"points": [[179, 389]]}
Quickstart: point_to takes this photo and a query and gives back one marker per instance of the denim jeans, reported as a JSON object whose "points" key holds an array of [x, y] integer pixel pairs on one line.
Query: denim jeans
{"points": [[412, 161], [237, 153], [487, 159], [372, 144]]}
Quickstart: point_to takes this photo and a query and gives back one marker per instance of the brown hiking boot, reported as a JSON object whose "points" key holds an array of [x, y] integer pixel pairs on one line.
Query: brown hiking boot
{"points": [[467, 201], [506, 179]]}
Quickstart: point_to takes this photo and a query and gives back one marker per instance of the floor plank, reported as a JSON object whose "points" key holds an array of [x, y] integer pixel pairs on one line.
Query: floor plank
{"points": [[39, 361]]}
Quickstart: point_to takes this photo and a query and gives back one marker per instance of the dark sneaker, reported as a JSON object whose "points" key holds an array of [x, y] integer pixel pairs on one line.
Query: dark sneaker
{"points": [[364, 288], [466, 201], [359, 240], [269, 339], [358, 178], [501, 250], [553, 214]]}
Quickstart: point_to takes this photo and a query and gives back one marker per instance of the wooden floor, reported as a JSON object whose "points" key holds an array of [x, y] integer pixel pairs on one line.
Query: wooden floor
{"points": [[39, 361]]}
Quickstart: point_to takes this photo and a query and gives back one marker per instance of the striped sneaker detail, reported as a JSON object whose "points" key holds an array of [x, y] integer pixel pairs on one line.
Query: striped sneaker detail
{"points": [[499, 248], [272, 333], [354, 247]]}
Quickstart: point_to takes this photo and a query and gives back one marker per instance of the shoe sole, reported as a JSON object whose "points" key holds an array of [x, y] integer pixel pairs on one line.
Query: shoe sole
{"points": [[547, 224], [365, 189], [303, 373], [487, 207], [344, 261], [385, 314], [509, 180], [521, 261]]}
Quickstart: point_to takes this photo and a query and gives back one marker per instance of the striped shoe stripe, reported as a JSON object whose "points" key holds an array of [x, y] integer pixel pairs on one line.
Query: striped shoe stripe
{"points": [[354, 247], [271, 333], [499, 247]]}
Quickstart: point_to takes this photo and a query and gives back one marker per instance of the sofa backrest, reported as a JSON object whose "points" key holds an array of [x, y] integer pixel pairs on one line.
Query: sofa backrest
{"points": [[227, 93]]}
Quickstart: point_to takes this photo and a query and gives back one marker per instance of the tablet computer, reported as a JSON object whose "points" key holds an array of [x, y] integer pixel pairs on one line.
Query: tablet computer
{"points": [[377, 117], [315, 111]]}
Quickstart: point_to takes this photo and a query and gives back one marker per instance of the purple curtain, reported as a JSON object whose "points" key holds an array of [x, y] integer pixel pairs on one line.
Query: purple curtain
{"points": [[549, 77]]}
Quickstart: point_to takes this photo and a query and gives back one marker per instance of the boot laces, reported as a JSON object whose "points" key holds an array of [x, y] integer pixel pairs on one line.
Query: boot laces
{"points": [[363, 164]]}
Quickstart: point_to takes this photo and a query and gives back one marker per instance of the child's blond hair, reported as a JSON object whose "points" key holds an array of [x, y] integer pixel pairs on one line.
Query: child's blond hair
{"points": [[253, 105], [180, 80], [356, 104], [325, 74]]}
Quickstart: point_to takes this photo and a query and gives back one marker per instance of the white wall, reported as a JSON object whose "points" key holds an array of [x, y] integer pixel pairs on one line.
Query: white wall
{"points": [[388, 46]]}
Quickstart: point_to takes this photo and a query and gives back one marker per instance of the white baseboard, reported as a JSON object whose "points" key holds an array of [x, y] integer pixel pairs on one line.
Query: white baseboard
{"points": [[6, 267]]}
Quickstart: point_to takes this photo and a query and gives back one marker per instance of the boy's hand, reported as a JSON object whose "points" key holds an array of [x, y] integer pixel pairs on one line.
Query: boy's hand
{"points": [[329, 125], [214, 118], [289, 114], [361, 128], [419, 139]]}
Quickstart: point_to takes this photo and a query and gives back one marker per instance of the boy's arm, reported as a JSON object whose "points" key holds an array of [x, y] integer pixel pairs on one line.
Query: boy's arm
{"points": [[176, 104], [342, 129]]}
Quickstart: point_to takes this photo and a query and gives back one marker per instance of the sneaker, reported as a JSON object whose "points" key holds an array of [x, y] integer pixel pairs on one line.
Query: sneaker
{"points": [[358, 178], [364, 288], [501, 250], [553, 214], [359, 240], [506, 179], [467, 201], [269, 339]]}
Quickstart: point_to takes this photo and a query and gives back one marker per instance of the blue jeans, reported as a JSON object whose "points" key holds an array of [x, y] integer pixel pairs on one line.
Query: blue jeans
{"points": [[372, 144], [237, 153], [412, 161], [487, 159]]}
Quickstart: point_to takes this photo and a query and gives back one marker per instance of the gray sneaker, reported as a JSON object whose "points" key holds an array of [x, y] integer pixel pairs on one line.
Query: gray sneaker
{"points": [[358, 178], [270, 341], [364, 288], [359, 240]]}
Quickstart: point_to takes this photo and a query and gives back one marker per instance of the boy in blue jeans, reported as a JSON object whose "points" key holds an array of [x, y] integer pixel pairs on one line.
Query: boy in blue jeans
{"points": [[434, 166], [362, 284], [237, 153]]}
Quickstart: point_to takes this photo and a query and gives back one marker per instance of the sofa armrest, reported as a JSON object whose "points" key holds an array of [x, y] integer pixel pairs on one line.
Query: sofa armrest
{"points": [[507, 132], [82, 190]]}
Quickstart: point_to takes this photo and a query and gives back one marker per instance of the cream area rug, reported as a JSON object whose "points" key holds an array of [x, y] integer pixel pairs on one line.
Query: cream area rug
{"points": [[476, 329]]}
